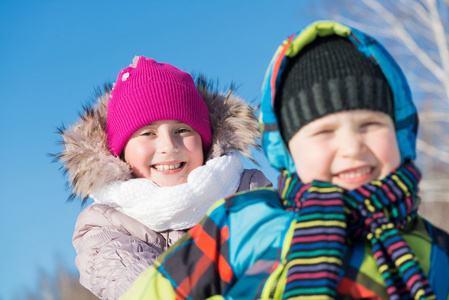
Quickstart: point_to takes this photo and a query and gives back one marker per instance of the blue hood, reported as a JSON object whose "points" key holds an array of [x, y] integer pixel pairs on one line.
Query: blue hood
{"points": [[406, 118]]}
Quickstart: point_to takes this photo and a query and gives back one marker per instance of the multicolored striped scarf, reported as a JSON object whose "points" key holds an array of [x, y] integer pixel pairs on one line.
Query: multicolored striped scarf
{"points": [[329, 215]]}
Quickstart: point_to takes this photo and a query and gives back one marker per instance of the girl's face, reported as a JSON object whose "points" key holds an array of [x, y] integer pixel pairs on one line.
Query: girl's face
{"points": [[349, 148], [164, 152]]}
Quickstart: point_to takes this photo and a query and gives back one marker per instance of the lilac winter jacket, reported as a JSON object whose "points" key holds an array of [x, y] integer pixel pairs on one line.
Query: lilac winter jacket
{"points": [[113, 248]]}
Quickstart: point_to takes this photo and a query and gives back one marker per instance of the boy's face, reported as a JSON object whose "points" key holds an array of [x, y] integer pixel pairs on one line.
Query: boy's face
{"points": [[348, 149], [164, 152]]}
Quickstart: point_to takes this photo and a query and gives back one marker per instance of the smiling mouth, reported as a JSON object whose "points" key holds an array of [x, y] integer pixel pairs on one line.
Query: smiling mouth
{"points": [[168, 167], [355, 173]]}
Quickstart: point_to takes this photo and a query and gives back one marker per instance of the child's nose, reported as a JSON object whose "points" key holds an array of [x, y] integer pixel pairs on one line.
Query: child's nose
{"points": [[167, 144], [351, 144]]}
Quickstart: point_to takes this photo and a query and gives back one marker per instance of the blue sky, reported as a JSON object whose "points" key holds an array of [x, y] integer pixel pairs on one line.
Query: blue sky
{"points": [[52, 56]]}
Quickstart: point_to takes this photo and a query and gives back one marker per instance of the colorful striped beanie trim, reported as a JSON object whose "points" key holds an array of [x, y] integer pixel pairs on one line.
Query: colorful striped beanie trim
{"points": [[328, 215]]}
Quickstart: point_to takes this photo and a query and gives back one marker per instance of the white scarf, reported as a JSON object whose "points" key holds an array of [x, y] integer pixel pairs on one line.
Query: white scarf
{"points": [[174, 207]]}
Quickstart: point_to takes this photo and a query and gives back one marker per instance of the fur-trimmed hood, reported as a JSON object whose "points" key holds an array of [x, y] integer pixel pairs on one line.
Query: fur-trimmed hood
{"points": [[90, 166]]}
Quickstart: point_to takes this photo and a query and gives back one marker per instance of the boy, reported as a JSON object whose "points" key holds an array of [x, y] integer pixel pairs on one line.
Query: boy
{"points": [[338, 121]]}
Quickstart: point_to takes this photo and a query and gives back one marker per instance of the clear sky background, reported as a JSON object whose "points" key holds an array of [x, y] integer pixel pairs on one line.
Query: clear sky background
{"points": [[52, 56]]}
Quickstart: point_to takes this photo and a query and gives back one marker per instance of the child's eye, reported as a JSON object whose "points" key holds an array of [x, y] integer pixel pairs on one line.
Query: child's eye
{"points": [[323, 132], [182, 130], [369, 124], [147, 133]]}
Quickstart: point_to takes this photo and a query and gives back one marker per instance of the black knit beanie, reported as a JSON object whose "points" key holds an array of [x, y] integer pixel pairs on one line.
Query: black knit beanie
{"points": [[328, 76]]}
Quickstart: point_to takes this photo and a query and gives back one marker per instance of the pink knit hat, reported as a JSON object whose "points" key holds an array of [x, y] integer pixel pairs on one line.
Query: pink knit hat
{"points": [[148, 91]]}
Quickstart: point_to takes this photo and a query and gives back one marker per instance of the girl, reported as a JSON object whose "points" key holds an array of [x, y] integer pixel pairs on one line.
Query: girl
{"points": [[154, 154]]}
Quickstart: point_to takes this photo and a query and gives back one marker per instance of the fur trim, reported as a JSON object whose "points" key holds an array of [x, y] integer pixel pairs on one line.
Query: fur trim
{"points": [[90, 166], [234, 124]]}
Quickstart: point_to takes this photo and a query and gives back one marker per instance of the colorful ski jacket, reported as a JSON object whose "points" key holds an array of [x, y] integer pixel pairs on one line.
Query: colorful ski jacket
{"points": [[239, 250]]}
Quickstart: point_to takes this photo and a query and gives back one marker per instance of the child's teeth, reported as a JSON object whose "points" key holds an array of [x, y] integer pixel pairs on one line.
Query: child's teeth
{"points": [[167, 167], [357, 173]]}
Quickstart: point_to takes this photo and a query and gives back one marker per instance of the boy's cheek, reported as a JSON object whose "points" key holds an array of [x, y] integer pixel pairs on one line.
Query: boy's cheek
{"points": [[386, 149], [312, 164]]}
